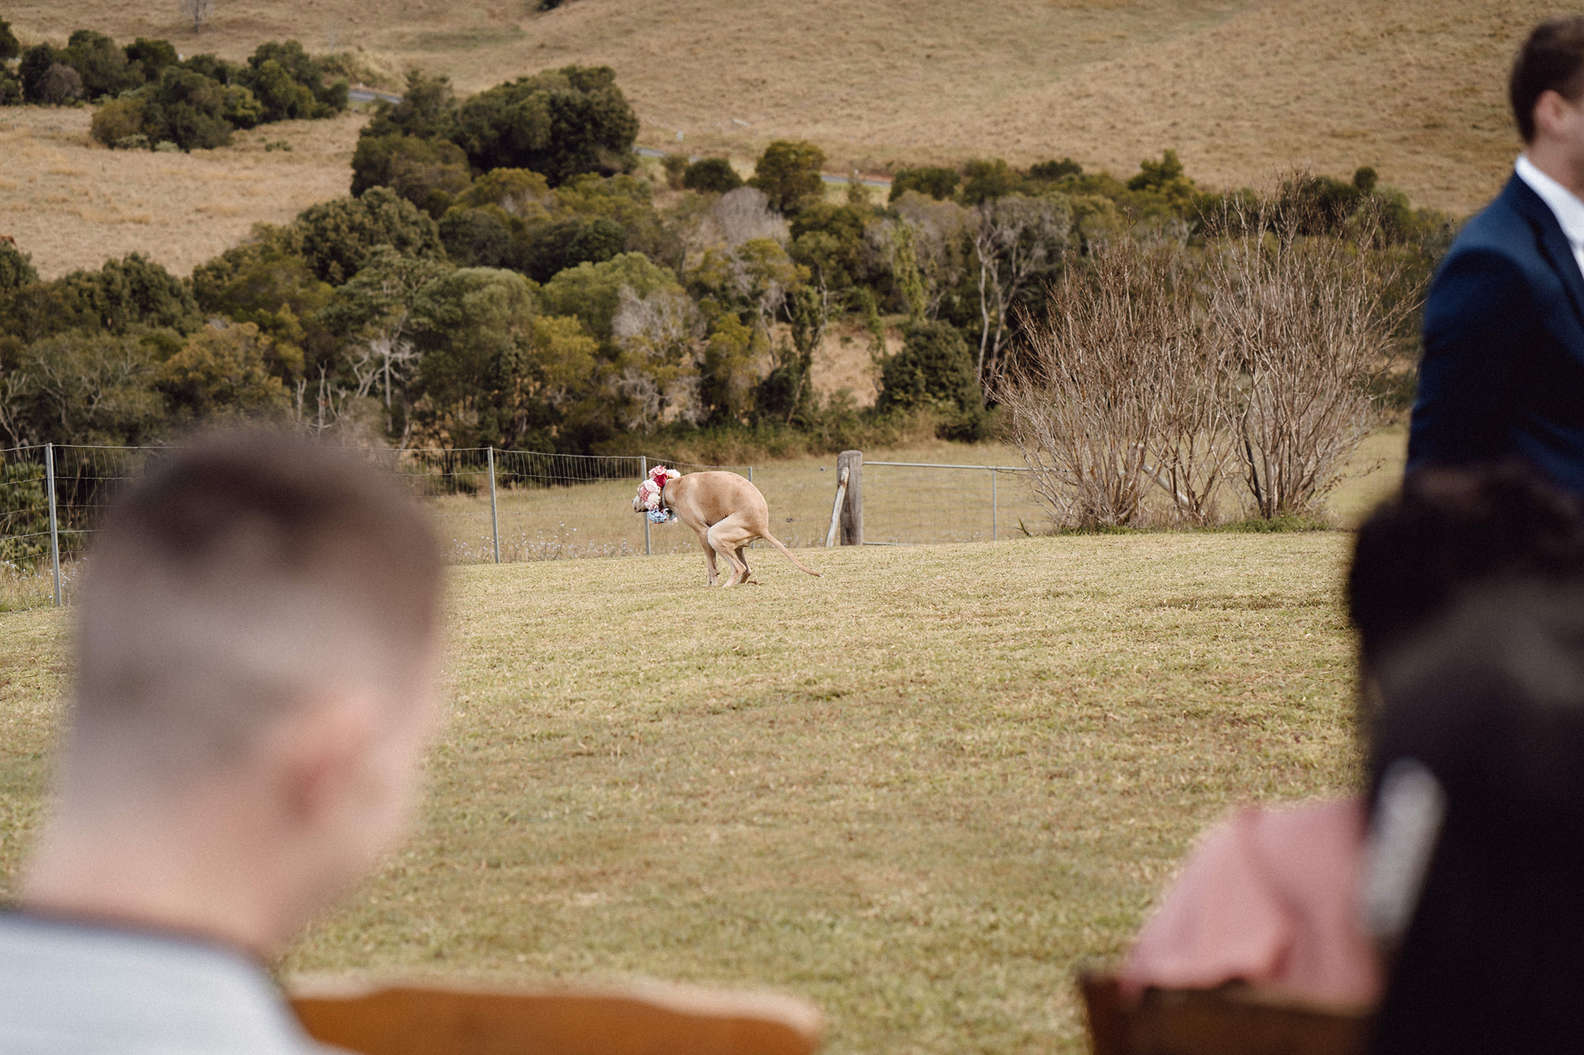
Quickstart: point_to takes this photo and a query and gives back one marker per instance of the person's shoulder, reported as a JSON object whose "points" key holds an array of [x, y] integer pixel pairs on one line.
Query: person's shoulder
{"points": [[1319, 827], [1505, 227]]}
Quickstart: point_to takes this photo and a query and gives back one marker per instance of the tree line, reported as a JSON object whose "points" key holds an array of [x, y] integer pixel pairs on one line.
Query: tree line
{"points": [[503, 273], [149, 97]]}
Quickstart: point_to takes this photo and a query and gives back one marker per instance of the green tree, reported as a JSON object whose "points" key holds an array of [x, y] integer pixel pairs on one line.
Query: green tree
{"points": [[213, 67], [99, 62], [711, 176], [282, 97], [10, 47], [265, 283], [627, 201], [276, 65], [10, 87], [789, 173], [428, 110], [492, 370], [34, 69], [726, 372], [147, 59], [786, 392], [84, 388], [120, 122], [223, 372], [934, 368], [550, 248], [592, 292], [559, 123], [934, 180], [987, 179], [16, 267], [24, 513], [372, 316], [481, 237], [124, 295], [829, 240], [338, 236], [187, 109], [430, 173], [1167, 180], [1051, 171]]}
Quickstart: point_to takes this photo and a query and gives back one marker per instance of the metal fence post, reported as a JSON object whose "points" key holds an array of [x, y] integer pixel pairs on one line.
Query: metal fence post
{"points": [[643, 474], [49, 484], [494, 507], [750, 474], [993, 509]]}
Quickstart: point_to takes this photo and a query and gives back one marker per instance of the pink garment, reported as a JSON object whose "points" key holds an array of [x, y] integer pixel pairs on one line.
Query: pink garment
{"points": [[1269, 897]]}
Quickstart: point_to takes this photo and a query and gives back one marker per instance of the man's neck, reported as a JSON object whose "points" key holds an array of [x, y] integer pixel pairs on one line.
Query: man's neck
{"points": [[183, 880], [1556, 162]]}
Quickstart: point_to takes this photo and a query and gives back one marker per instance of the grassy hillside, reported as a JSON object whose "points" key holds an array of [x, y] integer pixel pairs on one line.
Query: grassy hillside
{"points": [[71, 203], [1242, 89], [920, 789]]}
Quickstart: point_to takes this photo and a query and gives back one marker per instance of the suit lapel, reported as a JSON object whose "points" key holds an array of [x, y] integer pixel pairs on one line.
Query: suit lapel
{"points": [[1553, 243]]}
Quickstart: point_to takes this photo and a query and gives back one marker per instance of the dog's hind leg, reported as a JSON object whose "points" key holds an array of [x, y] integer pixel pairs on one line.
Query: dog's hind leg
{"points": [[728, 537]]}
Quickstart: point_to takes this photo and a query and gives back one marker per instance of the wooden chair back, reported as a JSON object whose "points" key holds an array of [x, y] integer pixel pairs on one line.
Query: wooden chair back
{"points": [[643, 1020], [1230, 1020]]}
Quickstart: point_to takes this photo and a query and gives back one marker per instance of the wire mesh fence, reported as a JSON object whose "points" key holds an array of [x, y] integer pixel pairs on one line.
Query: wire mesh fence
{"points": [[488, 504], [503, 505], [924, 502]]}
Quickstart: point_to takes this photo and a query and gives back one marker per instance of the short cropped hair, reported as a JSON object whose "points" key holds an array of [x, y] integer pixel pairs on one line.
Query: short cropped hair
{"points": [[1552, 59], [241, 575], [1448, 531]]}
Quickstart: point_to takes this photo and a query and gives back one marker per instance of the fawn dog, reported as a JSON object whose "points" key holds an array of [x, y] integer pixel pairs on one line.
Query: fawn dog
{"points": [[725, 510]]}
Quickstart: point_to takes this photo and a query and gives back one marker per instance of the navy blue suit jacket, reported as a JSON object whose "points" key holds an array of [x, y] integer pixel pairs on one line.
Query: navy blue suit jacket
{"points": [[1503, 370]]}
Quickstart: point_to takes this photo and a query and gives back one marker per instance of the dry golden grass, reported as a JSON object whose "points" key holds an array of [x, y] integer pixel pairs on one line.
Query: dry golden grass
{"points": [[919, 790], [1241, 88], [72, 203]]}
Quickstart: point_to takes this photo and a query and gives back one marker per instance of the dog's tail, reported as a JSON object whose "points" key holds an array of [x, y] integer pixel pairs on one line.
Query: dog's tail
{"points": [[778, 545]]}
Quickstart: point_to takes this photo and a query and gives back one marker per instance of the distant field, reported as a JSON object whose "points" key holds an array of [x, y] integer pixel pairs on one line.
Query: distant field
{"points": [[71, 203], [1243, 89], [920, 790]]}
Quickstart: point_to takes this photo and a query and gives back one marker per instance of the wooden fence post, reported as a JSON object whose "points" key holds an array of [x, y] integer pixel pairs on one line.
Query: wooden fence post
{"points": [[852, 508]]}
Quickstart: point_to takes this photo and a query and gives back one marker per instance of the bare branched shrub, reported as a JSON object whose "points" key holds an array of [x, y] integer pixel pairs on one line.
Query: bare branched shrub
{"points": [[1181, 367], [1309, 324], [735, 218], [1085, 399]]}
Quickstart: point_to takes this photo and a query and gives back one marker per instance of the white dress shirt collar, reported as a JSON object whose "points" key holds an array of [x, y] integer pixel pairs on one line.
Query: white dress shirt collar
{"points": [[1567, 208]]}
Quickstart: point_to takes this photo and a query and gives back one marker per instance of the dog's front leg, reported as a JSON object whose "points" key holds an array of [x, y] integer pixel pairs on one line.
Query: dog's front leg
{"points": [[709, 558]]}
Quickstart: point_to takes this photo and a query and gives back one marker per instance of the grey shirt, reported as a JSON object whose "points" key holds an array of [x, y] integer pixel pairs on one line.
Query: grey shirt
{"points": [[89, 989]]}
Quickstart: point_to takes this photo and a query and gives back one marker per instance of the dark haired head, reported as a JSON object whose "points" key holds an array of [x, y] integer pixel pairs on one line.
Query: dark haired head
{"points": [[1490, 704], [1448, 531], [1552, 59]]}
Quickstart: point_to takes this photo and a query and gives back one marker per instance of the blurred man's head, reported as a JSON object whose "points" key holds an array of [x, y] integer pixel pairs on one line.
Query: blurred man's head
{"points": [[257, 639], [1547, 73], [1449, 531]]}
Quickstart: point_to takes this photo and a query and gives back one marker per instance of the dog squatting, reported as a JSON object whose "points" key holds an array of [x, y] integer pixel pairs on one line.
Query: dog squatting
{"points": [[725, 511]]}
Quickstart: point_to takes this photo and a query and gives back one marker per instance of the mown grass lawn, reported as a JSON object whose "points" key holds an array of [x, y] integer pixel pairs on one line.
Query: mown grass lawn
{"points": [[919, 790]]}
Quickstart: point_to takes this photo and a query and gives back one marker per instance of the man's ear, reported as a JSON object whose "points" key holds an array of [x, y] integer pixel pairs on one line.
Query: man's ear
{"points": [[322, 751], [1551, 111]]}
